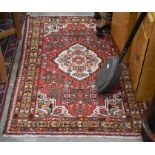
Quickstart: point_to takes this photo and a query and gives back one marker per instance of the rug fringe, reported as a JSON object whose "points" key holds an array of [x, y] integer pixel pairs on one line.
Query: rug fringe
{"points": [[49, 15], [75, 136]]}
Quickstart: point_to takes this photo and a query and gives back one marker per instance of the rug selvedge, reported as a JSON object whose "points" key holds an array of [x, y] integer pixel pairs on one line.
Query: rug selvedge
{"points": [[49, 100]]}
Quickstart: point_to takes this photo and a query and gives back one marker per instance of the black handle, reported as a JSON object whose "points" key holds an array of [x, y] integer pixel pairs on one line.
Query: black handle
{"points": [[126, 47]]}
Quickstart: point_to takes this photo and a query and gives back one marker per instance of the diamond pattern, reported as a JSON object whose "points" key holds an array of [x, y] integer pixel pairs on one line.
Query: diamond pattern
{"points": [[78, 61]]}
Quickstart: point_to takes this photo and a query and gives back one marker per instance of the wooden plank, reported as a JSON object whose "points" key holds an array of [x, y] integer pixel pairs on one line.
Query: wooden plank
{"points": [[6, 33], [17, 24], [146, 87], [17, 27], [148, 24], [137, 54], [121, 27], [3, 73]]}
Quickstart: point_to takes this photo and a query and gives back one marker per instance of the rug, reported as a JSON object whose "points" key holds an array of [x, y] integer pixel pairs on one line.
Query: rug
{"points": [[8, 46], [55, 91]]}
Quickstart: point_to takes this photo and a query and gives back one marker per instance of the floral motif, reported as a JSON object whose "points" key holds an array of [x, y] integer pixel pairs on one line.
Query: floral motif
{"points": [[49, 28], [78, 61], [47, 106]]}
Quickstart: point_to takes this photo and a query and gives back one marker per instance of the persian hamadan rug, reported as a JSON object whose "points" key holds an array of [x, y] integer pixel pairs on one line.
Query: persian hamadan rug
{"points": [[55, 91]]}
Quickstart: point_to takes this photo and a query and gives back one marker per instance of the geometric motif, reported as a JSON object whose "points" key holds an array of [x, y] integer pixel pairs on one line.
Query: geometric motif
{"points": [[78, 61]]}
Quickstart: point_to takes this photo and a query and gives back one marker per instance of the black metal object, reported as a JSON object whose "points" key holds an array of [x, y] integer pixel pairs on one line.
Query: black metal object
{"points": [[148, 129], [100, 32], [97, 15], [104, 22], [110, 73], [151, 116], [126, 47]]}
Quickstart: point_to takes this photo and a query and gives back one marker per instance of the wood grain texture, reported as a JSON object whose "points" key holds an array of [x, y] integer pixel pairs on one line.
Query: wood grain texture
{"points": [[17, 24], [148, 24], [137, 54], [7, 32], [121, 27], [141, 55], [146, 87], [3, 74], [15, 30]]}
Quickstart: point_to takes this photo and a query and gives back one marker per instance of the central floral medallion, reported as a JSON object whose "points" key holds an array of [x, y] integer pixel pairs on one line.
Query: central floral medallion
{"points": [[78, 61]]}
